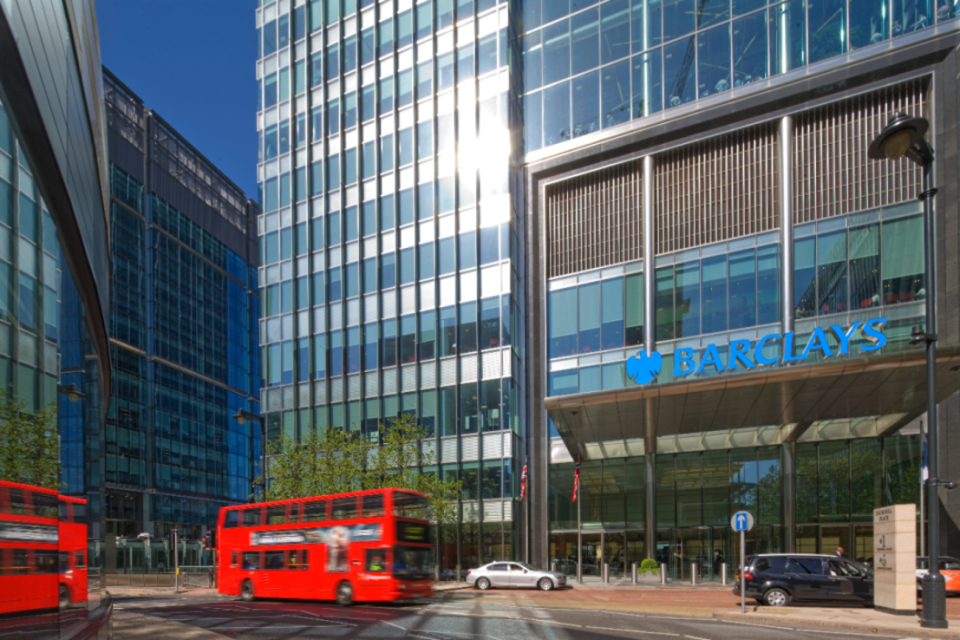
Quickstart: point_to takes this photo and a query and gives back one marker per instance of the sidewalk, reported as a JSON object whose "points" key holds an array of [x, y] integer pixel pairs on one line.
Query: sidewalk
{"points": [[850, 619]]}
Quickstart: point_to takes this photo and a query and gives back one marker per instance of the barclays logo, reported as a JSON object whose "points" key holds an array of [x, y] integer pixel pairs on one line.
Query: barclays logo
{"points": [[643, 368]]}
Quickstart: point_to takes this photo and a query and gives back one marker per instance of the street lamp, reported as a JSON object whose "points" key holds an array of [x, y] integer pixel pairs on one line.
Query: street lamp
{"points": [[241, 416], [72, 392], [903, 136]]}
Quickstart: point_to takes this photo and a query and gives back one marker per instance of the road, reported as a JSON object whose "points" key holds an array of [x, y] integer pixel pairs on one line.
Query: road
{"points": [[461, 615]]}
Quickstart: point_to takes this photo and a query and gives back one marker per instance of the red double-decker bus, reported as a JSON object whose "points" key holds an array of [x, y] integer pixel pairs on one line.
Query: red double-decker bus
{"points": [[43, 539], [362, 546]]}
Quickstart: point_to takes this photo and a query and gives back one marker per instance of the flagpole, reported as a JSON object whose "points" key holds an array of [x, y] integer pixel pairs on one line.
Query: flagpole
{"points": [[923, 448], [579, 534], [526, 516]]}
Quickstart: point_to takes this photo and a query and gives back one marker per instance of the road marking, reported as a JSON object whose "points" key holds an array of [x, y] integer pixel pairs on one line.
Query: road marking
{"points": [[695, 638], [653, 633], [765, 626]]}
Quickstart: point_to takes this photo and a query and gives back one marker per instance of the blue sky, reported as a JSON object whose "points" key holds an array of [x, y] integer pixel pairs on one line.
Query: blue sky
{"points": [[193, 62]]}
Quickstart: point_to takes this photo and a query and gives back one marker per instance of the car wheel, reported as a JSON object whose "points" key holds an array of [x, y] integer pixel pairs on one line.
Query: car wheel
{"points": [[64, 598], [246, 591], [344, 594], [776, 598], [483, 584], [545, 584]]}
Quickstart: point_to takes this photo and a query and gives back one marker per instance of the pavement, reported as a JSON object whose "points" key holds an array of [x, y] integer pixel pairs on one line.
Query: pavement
{"points": [[601, 612]]}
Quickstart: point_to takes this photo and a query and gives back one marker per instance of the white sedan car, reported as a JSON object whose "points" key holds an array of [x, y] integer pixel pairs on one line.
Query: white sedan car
{"points": [[514, 574]]}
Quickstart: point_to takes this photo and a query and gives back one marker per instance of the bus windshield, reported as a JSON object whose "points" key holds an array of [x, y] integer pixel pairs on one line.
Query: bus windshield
{"points": [[409, 505], [412, 563]]}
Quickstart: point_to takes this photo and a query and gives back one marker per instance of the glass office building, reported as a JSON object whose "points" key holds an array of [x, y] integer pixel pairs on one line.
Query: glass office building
{"points": [[479, 212], [183, 329]]}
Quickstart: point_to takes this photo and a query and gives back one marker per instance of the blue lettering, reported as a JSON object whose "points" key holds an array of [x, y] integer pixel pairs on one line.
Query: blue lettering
{"points": [[874, 333], [758, 351], [818, 341], [738, 353], [685, 356], [711, 358], [844, 337], [788, 348]]}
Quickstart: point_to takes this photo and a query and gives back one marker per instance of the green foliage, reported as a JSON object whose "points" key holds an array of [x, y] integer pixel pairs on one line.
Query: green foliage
{"points": [[29, 453], [648, 566], [335, 461]]}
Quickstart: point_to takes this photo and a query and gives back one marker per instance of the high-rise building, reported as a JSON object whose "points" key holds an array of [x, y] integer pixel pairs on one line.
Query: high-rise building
{"points": [[183, 330], [643, 235]]}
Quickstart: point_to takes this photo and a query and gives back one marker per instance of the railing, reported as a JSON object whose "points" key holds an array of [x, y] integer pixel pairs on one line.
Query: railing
{"points": [[191, 577]]}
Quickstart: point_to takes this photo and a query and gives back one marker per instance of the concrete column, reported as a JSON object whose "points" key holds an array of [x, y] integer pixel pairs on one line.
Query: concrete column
{"points": [[788, 489], [786, 223]]}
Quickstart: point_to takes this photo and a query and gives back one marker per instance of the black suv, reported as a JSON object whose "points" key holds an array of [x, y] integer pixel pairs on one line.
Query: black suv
{"points": [[777, 578]]}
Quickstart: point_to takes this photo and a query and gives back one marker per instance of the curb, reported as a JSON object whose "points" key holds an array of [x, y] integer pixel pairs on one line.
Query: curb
{"points": [[878, 628]]}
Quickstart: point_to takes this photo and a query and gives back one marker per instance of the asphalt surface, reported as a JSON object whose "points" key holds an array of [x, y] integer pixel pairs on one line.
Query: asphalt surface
{"points": [[463, 615]]}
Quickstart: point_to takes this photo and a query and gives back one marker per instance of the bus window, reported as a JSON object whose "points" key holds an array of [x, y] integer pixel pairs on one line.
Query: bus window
{"points": [[78, 561], [375, 561], [315, 511], [294, 512], [231, 520], [273, 560], [18, 506], [64, 561], [277, 514], [344, 508], [303, 560], [372, 507], [251, 517], [47, 561], [45, 505], [233, 559], [292, 562], [409, 505], [251, 561]]}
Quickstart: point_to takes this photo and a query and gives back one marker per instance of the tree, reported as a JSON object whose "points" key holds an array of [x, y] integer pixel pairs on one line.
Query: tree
{"points": [[29, 452]]}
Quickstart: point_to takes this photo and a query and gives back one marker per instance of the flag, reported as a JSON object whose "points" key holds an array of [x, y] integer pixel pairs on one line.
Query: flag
{"points": [[523, 481], [576, 480]]}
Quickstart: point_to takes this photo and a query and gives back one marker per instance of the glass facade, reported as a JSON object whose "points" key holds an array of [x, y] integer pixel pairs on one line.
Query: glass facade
{"points": [[591, 65], [838, 483], [390, 236], [184, 322]]}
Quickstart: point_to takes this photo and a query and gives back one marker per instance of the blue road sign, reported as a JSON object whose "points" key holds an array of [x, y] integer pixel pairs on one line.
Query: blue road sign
{"points": [[741, 521]]}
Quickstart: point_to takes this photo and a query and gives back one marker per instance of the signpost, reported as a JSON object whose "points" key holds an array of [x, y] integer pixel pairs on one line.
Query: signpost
{"points": [[742, 521], [895, 559]]}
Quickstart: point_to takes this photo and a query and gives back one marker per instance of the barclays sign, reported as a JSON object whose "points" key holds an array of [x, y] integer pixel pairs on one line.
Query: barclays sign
{"points": [[643, 368]]}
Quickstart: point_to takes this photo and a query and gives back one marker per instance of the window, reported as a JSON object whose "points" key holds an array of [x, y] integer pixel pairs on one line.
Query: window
{"points": [[372, 507], [500, 566], [78, 560], [251, 561], [315, 511], [276, 515], [344, 508], [233, 559], [376, 562], [516, 568], [251, 517], [409, 505], [273, 560], [805, 566]]}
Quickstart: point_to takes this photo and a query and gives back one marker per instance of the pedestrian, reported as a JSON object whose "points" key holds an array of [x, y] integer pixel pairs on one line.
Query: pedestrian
{"points": [[839, 552], [160, 566]]}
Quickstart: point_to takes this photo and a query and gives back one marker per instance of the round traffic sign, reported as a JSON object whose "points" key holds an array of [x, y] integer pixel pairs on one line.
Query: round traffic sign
{"points": [[741, 521]]}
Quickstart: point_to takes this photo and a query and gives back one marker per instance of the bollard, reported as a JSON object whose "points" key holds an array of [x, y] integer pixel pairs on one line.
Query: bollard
{"points": [[553, 567], [633, 573], [606, 573], [693, 573], [723, 573], [663, 573]]}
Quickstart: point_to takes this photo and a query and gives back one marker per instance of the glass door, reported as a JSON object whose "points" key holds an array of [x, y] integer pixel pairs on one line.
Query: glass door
{"points": [[669, 551], [592, 550], [636, 549], [696, 548], [614, 553], [721, 555]]}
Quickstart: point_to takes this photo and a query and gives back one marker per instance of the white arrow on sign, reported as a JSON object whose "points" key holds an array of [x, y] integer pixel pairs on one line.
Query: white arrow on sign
{"points": [[742, 521]]}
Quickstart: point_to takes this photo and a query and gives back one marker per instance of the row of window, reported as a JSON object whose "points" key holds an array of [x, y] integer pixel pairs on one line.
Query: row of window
{"points": [[23, 562], [392, 342], [297, 560]]}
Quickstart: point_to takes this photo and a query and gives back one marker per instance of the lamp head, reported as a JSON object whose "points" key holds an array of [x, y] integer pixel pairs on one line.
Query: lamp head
{"points": [[240, 418], [898, 137]]}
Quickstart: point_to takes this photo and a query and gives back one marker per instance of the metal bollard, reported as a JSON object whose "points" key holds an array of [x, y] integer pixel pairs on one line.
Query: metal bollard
{"points": [[633, 573], [606, 573], [693, 573], [663, 573], [723, 573], [553, 567]]}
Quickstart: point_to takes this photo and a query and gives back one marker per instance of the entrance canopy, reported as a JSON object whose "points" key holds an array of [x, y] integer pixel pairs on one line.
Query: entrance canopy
{"points": [[888, 389]]}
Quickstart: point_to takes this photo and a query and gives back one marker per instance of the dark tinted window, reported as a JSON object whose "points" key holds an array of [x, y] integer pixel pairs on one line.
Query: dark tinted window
{"points": [[78, 561], [251, 517], [344, 508], [233, 559], [46, 561], [500, 566], [315, 511], [273, 560], [277, 514], [770, 565], [231, 519], [372, 506], [806, 566]]}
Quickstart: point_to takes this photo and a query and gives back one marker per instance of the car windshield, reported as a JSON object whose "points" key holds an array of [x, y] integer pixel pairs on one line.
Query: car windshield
{"points": [[949, 564]]}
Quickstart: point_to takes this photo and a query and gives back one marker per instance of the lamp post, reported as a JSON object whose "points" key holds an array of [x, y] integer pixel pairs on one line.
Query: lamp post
{"points": [[241, 416], [903, 136]]}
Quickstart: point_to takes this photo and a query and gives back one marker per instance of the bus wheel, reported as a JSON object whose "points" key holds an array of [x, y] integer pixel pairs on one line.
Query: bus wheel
{"points": [[344, 594], [64, 597], [246, 591]]}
